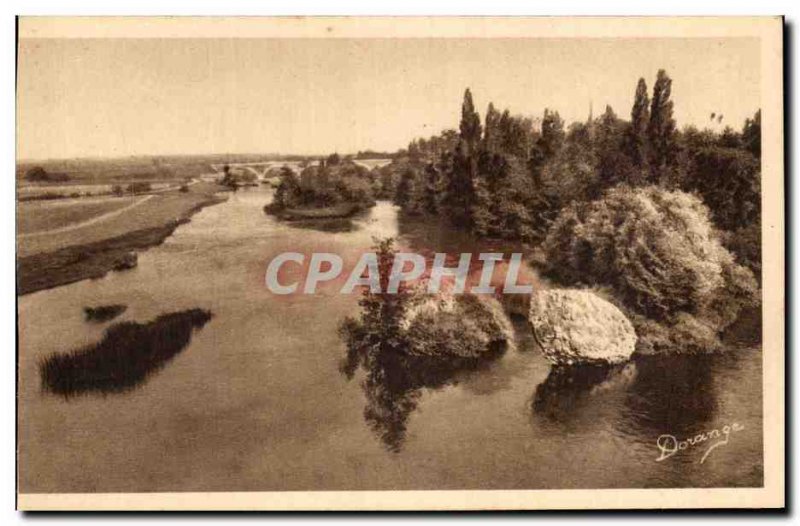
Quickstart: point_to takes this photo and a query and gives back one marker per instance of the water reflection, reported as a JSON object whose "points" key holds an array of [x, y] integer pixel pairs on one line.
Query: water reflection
{"points": [[673, 394], [432, 235], [128, 353], [406, 341], [645, 397], [394, 382], [334, 226], [567, 391]]}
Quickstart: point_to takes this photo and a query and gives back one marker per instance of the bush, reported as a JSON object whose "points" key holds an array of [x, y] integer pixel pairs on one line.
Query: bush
{"points": [[139, 187], [658, 252], [39, 174]]}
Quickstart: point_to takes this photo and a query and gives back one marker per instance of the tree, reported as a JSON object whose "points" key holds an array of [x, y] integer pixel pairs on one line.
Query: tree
{"points": [[430, 201], [612, 165], [462, 177], [379, 330], [405, 189], [637, 141], [751, 135], [228, 178], [729, 181], [486, 209], [37, 173], [552, 138], [571, 173], [492, 133], [548, 144], [470, 126], [288, 194], [661, 129], [730, 138]]}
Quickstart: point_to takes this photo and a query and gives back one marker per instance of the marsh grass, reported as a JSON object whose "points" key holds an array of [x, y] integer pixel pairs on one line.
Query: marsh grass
{"points": [[126, 356], [103, 313]]}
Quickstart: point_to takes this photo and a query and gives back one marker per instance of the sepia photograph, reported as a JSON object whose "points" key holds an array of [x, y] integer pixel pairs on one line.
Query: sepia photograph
{"points": [[356, 263]]}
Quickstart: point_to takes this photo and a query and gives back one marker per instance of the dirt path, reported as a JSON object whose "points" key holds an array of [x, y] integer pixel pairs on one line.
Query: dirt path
{"points": [[88, 222]]}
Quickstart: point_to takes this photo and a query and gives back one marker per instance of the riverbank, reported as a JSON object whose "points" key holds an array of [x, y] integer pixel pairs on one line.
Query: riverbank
{"points": [[340, 211], [88, 253]]}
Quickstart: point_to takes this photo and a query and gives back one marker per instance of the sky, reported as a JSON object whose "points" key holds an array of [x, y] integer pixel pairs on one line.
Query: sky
{"points": [[119, 97]]}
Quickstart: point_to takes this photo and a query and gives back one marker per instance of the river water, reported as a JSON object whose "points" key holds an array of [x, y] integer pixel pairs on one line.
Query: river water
{"points": [[256, 400]]}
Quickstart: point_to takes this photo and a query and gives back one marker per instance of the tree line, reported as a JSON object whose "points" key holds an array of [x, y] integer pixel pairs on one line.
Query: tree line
{"points": [[508, 176]]}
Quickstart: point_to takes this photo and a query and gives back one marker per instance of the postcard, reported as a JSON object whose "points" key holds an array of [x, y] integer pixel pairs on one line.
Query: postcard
{"points": [[356, 263]]}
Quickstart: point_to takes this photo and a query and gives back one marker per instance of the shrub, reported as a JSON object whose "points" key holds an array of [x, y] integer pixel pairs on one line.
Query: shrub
{"points": [[37, 173], [139, 187], [661, 257]]}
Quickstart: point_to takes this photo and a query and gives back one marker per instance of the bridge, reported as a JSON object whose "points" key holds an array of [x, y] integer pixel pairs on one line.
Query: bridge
{"points": [[259, 169], [369, 164]]}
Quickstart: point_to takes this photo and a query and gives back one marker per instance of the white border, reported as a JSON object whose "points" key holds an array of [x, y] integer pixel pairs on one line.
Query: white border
{"points": [[604, 498]]}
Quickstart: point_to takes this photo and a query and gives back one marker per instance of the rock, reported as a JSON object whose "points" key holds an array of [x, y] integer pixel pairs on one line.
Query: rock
{"points": [[126, 261], [577, 326], [457, 325]]}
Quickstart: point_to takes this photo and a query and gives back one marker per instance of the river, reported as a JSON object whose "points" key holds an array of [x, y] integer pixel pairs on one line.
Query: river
{"points": [[256, 400]]}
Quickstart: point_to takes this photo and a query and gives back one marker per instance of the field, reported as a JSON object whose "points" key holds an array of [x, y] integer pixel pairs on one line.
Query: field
{"points": [[43, 216], [101, 239], [156, 211]]}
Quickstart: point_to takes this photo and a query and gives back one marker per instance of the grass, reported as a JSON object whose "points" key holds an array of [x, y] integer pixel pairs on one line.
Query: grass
{"points": [[126, 356], [160, 210], [38, 216], [88, 261], [91, 252]]}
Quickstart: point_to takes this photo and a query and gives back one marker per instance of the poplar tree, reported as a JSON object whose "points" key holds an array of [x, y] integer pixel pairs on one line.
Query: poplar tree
{"points": [[492, 132], [470, 126], [640, 119], [661, 129], [461, 185]]}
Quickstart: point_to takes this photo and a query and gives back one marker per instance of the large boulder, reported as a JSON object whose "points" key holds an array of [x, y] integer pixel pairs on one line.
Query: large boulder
{"points": [[577, 326]]}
